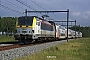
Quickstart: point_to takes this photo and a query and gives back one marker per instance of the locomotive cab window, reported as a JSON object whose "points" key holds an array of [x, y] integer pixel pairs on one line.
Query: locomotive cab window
{"points": [[25, 21]]}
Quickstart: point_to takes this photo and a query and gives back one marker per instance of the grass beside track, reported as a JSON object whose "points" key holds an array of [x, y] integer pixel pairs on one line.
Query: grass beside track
{"points": [[6, 39], [78, 49]]}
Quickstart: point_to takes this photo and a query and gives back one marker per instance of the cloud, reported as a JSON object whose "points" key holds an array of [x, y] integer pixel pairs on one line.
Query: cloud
{"points": [[86, 12], [76, 14], [84, 16]]}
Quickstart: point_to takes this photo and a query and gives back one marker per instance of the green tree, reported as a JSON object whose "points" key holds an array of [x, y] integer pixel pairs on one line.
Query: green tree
{"points": [[7, 24], [85, 30]]}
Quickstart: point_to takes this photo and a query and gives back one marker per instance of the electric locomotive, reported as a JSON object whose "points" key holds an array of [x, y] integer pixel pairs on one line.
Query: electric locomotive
{"points": [[33, 28]]}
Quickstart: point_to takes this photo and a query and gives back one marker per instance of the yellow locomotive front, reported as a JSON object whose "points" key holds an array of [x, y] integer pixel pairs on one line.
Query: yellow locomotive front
{"points": [[24, 28]]}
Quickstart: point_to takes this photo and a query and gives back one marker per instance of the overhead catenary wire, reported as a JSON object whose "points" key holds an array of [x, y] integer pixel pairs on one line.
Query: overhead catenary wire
{"points": [[38, 5], [14, 4], [10, 9], [18, 7], [25, 4], [56, 16], [43, 8]]}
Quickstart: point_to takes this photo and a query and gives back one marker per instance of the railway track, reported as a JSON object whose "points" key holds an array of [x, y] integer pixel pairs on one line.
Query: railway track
{"points": [[17, 50], [11, 42], [12, 45]]}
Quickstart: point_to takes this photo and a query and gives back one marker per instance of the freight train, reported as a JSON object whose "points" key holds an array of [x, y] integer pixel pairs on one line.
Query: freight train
{"points": [[33, 28]]}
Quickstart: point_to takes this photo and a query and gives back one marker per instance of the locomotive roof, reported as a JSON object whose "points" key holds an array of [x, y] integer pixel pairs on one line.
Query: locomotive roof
{"points": [[37, 17], [32, 17], [27, 16]]}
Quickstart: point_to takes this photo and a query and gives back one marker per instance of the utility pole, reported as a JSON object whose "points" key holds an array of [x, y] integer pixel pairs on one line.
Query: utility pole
{"points": [[75, 29], [67, 23]]}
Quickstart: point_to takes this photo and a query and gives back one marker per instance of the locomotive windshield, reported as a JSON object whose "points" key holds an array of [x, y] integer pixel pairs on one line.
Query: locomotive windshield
{"points": [[25, 21]]}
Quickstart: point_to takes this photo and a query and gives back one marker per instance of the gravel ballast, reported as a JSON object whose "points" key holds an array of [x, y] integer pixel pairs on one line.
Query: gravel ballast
{"points": [[24, 51]]}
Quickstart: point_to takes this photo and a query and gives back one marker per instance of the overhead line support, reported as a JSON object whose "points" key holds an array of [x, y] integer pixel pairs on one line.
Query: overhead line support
{"points": [[51, 12]]}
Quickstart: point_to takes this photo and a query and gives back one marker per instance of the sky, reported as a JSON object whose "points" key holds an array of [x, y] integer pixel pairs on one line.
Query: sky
{"points": [[79, 10]]}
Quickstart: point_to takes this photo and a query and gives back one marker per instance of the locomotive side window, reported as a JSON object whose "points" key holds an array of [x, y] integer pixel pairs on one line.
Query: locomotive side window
{"points": [[51, 28], [43, 26], [38, 23], [46, 27]]}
